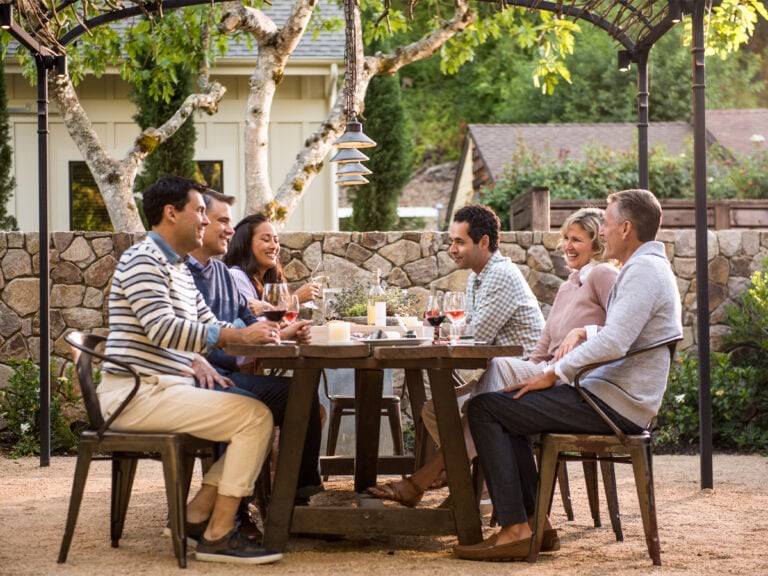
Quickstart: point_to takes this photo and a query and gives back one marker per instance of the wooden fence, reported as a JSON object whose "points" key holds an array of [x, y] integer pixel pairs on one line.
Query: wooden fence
{"points": [[535, 210]]}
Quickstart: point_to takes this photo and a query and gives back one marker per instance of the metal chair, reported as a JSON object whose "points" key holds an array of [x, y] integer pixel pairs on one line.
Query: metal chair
{"points": [[177, 452], [343, 405], [618, 447]]}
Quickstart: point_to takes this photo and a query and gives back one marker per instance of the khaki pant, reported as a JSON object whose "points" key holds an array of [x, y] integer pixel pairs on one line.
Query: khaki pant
{"points": [[173, 404]]}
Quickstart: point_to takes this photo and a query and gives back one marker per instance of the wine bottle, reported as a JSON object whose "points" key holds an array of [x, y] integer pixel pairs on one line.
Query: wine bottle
{"points": [[377, 303]]}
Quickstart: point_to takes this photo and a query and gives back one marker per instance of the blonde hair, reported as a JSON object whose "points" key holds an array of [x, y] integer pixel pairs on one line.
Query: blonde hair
{"points": [[589, 219]]}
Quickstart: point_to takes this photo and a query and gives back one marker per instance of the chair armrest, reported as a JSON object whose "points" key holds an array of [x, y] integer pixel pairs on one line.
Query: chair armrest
{"points": [[92, 352], [671, 343]]}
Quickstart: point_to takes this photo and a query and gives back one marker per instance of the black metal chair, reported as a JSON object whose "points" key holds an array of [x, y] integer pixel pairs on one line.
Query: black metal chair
{"points": [[618, 447], [177, 452], [343, 405]]}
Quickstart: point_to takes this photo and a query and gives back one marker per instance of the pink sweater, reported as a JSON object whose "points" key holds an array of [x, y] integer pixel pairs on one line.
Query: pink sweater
{"points": [[576, 305]]}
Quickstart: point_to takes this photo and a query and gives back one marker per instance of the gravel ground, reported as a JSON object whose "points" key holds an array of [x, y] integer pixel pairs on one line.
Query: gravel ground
{"points": [[720, 531]]}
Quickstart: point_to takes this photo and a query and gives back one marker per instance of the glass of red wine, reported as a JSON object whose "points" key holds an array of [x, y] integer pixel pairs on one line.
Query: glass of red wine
{"points": [[275, 297], [291, 309], [434, 314]]}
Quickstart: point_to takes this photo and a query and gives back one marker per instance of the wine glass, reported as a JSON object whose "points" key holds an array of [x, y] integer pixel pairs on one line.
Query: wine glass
{"points": [[319, 275], [455, 304], [291, 309], [276, 297], [434, 314]]}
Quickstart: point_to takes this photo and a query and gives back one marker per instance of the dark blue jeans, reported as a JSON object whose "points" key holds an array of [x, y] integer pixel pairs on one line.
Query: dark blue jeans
{"points": [[273, 391], [501, 427]]}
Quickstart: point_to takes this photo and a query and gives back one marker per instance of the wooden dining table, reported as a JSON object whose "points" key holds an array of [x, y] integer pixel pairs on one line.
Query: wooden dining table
{"points": [[370, 517]]}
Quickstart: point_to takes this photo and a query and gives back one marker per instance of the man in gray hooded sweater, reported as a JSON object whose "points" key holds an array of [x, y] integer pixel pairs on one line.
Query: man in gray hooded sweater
{"points": [[643, 309]]}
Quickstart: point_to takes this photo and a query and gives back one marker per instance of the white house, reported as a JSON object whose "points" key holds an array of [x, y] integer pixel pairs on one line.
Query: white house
{"points": [[302, 102]]}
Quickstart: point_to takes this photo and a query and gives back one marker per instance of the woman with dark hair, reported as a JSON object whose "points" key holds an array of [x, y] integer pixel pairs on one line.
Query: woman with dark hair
{"points": [[253, 258]]}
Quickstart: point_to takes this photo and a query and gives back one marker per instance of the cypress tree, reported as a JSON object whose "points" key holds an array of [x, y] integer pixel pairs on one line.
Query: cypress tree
{"points": [[7, 181], [176, 155], [374, 206]]}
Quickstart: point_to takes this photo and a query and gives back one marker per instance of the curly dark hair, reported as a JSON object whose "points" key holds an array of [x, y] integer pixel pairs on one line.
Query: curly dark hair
{"points": [[241, 255], [173, 190], [482, 222]]}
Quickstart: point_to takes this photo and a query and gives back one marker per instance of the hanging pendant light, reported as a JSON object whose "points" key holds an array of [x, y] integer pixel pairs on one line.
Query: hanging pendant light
{"points": [[354, 137], [352, 180], [351, 172], [349, 155], [352, 169]]}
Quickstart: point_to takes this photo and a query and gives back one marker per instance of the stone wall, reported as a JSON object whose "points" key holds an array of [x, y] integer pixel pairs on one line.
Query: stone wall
{"points": [[82, 264]]}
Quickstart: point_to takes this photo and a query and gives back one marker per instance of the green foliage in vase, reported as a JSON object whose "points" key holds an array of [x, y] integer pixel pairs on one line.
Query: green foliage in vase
{"points": [[353, 301]]}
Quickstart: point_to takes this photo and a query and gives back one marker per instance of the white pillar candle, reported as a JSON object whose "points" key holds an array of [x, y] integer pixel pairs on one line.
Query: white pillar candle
{"points": [[338, 331]]}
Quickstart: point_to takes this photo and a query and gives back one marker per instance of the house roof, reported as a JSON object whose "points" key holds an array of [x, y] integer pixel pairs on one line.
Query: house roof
{"points": [[326, 45], [495, 144], [741, 131]]}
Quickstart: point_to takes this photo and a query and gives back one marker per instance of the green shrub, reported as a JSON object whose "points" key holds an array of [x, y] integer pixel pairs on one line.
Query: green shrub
{"points": [[739, 406], [20, 408], [738, 382]]}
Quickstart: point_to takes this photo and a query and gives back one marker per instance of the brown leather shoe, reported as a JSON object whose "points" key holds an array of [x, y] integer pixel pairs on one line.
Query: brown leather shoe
{"points": [[511, 552], [550, 542]]}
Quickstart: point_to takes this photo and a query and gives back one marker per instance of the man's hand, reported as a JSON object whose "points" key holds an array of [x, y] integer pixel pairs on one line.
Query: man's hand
{"points": [[539, 382], [263, 332], [299, 331], [207, 376], [571, 340]]}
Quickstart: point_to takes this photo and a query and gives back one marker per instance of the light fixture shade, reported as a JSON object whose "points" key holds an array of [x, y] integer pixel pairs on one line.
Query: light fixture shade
{"points": [[6, 16], [351, 181], [625, 59], [354, 137], [352, 169], [349, 155]]}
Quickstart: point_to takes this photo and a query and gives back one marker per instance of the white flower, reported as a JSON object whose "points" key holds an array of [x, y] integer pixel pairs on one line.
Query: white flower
{"points": [[25, 427], [757, 138], [679, 398]]}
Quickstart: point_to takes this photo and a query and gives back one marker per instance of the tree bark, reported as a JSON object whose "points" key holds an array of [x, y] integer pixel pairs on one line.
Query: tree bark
{"points": [[115, 178], [275, 46]]}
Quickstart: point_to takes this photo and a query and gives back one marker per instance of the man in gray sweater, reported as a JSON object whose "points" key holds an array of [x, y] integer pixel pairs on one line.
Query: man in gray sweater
{"points": [[643, 309]]}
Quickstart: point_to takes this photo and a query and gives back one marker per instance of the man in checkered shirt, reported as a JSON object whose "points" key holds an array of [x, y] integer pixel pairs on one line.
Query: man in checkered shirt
{"points": [[500, 304], [501, 308]]}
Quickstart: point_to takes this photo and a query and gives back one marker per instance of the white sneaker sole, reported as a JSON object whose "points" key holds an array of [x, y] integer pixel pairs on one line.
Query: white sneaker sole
{"points": [[265, 559], [191, 542]]}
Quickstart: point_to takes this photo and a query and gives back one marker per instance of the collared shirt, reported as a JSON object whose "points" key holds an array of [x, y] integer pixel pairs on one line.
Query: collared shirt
{"points": [[502, 307]]}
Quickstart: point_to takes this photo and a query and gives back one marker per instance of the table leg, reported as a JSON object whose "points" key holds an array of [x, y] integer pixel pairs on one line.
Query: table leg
{"points": [[414, 381], [292, 435], [465, 512], [369, 385]]}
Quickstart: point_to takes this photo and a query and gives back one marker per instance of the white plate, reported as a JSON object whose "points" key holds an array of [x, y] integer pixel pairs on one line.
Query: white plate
{"points": [[394, 341]]}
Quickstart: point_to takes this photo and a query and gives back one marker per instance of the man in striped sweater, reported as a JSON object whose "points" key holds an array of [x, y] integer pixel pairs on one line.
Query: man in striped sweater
{"points": [[158, 322]]}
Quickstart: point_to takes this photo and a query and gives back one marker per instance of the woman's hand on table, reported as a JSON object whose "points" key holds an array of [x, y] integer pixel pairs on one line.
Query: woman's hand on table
{"points": [[299, 331], [308, 291]]}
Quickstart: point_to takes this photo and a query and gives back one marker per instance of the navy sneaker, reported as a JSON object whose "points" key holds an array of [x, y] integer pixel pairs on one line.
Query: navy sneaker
{"points": [[234, 548]]}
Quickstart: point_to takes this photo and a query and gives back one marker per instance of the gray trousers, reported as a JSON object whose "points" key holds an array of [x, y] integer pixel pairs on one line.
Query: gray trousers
{"points": [[501, 427]]}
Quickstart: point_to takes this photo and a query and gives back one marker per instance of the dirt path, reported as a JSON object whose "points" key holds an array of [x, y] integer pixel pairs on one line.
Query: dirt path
{"points": [[720, 531]]}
